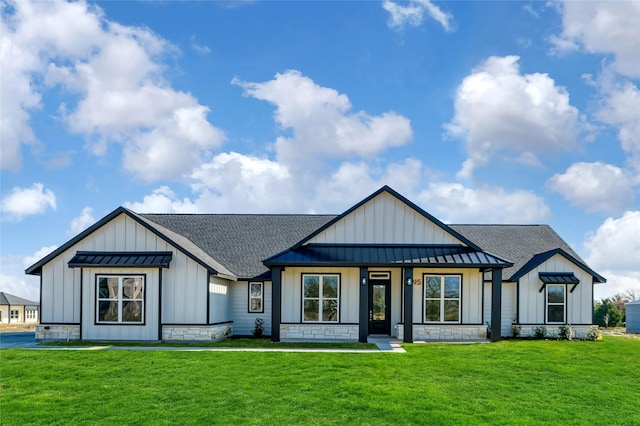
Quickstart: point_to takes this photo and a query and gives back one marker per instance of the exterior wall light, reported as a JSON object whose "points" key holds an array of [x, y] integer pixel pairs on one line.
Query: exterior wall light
{"points": [[364, 281], [409, 281]]}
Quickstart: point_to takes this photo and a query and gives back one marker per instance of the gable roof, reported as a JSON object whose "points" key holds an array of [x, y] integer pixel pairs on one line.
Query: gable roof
{"points": [[10, 299], [517, 242], [402, 199], [540, 258], [241, 241]]}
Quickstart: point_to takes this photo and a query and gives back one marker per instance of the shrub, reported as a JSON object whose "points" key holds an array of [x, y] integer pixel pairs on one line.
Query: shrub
{"points": [[606, 314], [593, 333], [516, 329], [540, 332], [566, 332], [258, 328]]}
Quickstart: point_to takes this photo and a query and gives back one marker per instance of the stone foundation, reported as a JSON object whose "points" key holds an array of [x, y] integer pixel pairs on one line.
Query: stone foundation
{"points": [[319, 332], [423, 332], [57, 332], [553, 330], [207, 333]]}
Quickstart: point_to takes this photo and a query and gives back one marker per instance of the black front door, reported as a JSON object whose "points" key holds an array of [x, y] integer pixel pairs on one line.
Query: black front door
{"points": [[380, 307]]}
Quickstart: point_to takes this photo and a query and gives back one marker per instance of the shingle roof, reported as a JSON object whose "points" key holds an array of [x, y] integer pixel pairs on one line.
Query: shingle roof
{"points": [[10, 299], [241, 241], [518, 243]]}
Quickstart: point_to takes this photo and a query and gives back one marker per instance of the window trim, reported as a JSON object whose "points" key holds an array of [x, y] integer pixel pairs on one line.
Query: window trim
{"points": [[30, 314], [441, 298], [563, 304], [249, 297], [320, 298], [97, 321], [16, 316]]}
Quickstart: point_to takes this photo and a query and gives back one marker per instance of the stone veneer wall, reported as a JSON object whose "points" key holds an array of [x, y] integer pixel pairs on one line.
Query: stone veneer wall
{"points": [[207, 333], [57, 332], [444, 332], [318, 332], [553, 330]]}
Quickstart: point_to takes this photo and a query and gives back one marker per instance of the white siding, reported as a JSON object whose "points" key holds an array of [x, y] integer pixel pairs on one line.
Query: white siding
{"points": [[532, 301], [509, 302], [385, 220], [243, 321], [93, 331], [219, 300]]}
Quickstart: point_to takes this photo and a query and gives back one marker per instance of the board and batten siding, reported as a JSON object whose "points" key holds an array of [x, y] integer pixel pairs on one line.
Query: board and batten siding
{"points": [[219, 300], [509, 302], [471, 293], [292, 293], [243, 320], [184, 283], [146, 331], [578, 304], [384, 220]]}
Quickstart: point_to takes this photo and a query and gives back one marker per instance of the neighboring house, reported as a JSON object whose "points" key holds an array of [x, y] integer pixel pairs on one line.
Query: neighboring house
{"points": [[385, 266], [16, 310]]}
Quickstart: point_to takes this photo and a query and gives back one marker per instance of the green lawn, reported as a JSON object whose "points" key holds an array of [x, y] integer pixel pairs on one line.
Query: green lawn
{"points": [[510, 382]]}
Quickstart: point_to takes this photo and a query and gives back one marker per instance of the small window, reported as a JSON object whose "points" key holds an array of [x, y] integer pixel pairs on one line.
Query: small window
{"points": [[15, 314], [256, 297], [556, 303], [120, 299], [31, 314], [320, 298], [442, 298]]}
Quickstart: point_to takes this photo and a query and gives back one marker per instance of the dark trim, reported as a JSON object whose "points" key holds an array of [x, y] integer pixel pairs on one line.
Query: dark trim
{"points": [[363, 323], [593, 302], [319, 323], [173, 324], [81, 301], [566, 305], [424, 297], [553, 324], [40, 302], [119, 324], [446, 324], [276, 302], [302, 274], [496, 305], [59, 323], [401, 198], [518, 301], [540, 258], [249, 311], [573, 288], [83, 259], [408, 305], [208, 319], [159, 303], [482, 302]]}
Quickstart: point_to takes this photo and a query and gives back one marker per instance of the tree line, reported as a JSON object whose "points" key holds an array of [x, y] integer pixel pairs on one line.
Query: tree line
{"points": [[610, 312]]}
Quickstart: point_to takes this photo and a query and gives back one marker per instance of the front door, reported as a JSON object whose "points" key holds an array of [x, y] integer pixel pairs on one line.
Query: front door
{"points": [[380, 307]]}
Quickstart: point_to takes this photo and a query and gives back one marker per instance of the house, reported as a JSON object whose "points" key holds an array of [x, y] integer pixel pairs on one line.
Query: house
{"points": [[385, 266], [16, 310]]}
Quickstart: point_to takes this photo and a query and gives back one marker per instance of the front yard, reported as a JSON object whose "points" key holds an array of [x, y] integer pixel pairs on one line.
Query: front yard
{"points": [[510, 382]]}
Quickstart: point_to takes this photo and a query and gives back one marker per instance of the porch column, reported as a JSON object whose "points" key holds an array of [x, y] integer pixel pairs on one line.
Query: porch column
{"points": [[496, 304], [363, 322], [276, 302], [408, 305]]}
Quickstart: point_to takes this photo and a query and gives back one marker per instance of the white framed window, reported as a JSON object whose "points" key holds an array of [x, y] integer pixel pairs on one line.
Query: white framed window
{"points": [[120, 299], [442, 298], [15, 314], [320, 298], [556, 303], [256, 297], [31, 314]]}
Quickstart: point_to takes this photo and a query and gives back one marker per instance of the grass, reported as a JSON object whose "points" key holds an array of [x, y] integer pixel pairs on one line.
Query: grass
{"points": [[510, 382]]}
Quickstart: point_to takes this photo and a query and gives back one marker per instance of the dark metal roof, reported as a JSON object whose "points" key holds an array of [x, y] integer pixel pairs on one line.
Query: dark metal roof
{"points": [[156, 259], [384, 255], [10, 299], [558, 278], [540, 258]]}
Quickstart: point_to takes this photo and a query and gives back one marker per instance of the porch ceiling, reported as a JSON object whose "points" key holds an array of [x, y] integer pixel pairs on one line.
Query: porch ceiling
{"points": [[440, 256]]}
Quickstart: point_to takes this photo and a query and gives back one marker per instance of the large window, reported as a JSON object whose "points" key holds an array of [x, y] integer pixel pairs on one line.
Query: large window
{"points": [[442, 298], [320, 298], [120, 299], [256, 297], [556, 303]]}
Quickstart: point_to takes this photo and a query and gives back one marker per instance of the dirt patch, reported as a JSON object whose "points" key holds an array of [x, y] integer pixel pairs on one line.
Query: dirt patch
{"points": [[17, 328]]}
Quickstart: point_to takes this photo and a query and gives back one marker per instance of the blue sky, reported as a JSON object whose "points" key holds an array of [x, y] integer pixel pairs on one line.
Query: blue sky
{"points": [[480, 112]]}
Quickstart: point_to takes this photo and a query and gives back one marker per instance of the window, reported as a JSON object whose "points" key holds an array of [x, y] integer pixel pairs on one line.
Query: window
{"points": [[31, 314], [320, 298], [15, 315], [256, 297], [120, 299], [442, 298], [556, 303]]}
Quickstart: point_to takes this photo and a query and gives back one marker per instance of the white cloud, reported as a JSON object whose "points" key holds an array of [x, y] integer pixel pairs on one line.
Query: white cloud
{"points": [[614, 252], [13, 279], [199, 48], [595, 187], [163, 200], [609, 27], [455, 203], [497, 110], [117, 73], [81, 222], [321, 121], [21, 202], [412, 14]]}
